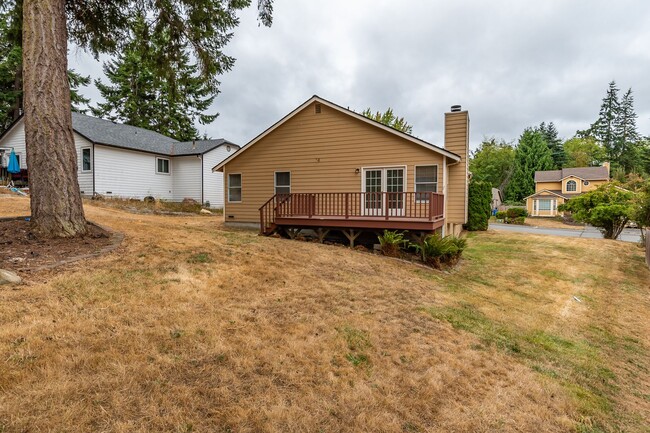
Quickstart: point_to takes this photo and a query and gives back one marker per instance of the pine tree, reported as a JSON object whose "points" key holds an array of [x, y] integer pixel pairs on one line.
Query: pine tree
{"points": [[168, 103], [202, 27], [11, 83], [549, 131], [532, 154], [627, 136], [604, 129]]}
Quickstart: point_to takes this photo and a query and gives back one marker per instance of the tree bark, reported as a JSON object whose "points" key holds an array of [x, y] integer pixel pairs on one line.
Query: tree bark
{"points": [[57, 209]]}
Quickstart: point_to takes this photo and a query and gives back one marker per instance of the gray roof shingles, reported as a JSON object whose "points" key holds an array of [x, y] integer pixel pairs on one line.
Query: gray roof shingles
{"points": [[586, 173], [101, 131]]}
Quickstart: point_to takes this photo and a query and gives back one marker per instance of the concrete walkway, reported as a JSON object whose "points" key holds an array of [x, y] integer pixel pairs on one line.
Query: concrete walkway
{"points": [[628, 235]]}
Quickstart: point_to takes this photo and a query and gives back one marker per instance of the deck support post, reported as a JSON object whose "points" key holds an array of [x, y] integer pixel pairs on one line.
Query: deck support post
{"points": [[352, 235], [292, 232], [321, 233]]}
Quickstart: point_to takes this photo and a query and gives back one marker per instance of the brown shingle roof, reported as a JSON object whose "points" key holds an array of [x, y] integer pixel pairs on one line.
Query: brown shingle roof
{"points": [[585, 173]]}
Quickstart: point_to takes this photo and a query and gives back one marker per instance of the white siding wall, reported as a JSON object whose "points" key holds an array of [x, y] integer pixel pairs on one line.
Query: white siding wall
{"points": [[213, 182], [85, 178], [130, 174], [16, 139], [186, 178]]}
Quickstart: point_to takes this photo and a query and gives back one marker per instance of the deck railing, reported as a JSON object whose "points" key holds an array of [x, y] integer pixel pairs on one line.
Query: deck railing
{"points": [[420, 206]]}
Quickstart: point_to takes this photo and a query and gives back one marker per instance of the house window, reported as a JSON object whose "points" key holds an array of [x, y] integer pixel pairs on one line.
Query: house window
{"points": [[545, 204], [86, 163], [571, 186], [162, 166], [426, 180], [18, 159], [283, 182], [234, 188]]}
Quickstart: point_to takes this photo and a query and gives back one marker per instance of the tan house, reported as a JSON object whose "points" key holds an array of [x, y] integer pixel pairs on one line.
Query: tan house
{"points": [[324, 167], [554, 187]]}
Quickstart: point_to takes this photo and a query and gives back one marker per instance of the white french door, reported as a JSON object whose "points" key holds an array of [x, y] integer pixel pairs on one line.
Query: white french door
{"points": [[382, 190]]}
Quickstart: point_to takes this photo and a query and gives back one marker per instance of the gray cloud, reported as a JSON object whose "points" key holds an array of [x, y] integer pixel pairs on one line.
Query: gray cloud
{"points": [[512, 64]]}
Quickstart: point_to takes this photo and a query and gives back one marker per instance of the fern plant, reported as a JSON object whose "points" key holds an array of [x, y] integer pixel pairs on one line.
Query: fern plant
{"points": [[436, 250], [391, 242]]}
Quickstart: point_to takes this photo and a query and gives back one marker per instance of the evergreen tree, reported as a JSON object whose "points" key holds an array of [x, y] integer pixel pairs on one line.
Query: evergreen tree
{"points": [[532, 154], [168, 103], [388, 118], [549, 131], [627, 136], [479, 205], [604, 129], [11, 83], [201, 27]]}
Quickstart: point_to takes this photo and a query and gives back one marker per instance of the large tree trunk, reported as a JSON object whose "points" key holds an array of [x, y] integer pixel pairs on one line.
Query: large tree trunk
{"points": [[57, 208]]}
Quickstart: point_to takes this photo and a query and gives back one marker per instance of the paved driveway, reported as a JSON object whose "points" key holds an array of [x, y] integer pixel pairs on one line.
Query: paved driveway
{"points": [[628, 235]]}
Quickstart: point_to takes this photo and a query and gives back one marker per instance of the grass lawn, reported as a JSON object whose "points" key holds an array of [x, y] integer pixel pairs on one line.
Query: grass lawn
{"points": [[190, 326]]}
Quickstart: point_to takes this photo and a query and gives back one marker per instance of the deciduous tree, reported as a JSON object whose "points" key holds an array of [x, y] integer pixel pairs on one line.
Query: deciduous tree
{"points": [[388, 118], [583, 152], [202, 27], [493, 162], [609, 208]]}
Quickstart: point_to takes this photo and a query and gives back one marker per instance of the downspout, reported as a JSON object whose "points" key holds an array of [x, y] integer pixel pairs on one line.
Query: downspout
{"points": [[202, 200], [94, 168]]}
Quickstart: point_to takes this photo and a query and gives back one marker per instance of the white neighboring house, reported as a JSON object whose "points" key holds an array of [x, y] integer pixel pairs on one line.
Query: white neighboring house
{"points": [[117, 160]]}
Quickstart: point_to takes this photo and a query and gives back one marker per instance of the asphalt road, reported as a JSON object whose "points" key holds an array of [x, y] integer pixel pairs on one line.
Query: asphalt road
{"points": [[628, 235]]}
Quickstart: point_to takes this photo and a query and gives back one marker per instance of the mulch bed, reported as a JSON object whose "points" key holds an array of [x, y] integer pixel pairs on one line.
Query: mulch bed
{"points": [[23, 251]]}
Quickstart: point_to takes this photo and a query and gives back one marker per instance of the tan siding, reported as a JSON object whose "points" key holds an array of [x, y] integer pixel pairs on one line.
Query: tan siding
{"points": [[457, 141], [553, 186], [322, 151]]}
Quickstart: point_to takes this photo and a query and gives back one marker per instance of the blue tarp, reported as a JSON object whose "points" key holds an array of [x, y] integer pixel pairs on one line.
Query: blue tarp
{"points": [[13, 166]]}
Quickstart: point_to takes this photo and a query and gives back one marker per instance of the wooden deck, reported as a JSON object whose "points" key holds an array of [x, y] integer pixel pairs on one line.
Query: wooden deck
{"points": [[418, 212]]}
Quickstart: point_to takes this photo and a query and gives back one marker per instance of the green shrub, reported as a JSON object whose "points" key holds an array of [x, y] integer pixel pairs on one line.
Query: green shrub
{"points": [[516, 212], [391, 242], [501, 215], [436, 250], [518, 220], [479, 205]]}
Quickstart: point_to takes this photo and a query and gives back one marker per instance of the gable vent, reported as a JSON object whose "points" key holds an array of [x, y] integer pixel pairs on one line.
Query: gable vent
{"points": [[317, 108]]}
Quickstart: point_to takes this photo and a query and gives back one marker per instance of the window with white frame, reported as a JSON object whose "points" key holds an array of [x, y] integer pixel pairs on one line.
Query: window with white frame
{"points": [[283, 182], [571, 186], [426, 180], [545, 204], [162, 165], [86, 161], [234, 187]]}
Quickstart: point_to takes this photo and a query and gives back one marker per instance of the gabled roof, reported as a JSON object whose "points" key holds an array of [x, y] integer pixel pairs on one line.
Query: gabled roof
{"points": [[555, 192], [346, 111], [584, 173], [105, 132]]}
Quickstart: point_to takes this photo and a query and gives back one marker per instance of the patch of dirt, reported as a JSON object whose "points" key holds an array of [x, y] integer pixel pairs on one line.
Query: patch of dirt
{"points": [[23, 251]]}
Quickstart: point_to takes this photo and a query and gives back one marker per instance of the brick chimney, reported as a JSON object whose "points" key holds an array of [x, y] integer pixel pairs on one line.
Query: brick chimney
{"points": [[457, 173]]}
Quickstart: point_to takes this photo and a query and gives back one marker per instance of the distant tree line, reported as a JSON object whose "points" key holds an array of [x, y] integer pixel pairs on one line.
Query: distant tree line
{"points": [[613, 137]]}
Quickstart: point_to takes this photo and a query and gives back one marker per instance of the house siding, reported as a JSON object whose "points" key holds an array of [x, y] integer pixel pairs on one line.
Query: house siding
{"points": [[457, 141], [186, 178], [16, 138], [322, 152], [130, 174], [213, 188]]}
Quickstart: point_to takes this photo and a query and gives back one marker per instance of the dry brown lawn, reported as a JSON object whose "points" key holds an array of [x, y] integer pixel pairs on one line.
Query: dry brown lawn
{"points": [[551, 223], [191, 326]]}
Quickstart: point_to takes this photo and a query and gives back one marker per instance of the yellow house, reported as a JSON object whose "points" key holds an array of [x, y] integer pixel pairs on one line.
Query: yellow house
{"points": [[554, 187], [323, 167]]}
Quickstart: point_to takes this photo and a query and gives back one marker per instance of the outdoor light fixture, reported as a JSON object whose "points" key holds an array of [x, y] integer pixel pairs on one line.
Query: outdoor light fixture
{"points": [[356, 171]]}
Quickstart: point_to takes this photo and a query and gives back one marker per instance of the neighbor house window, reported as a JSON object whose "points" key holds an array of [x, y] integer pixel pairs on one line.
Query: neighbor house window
{"points": [[544, 204], [571, 186], [426, 180], [234, 187], [283, 182], [162, 166], [18, 159], [86, 164]]}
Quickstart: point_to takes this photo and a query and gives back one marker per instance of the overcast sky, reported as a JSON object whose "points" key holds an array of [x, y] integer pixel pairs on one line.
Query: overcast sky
{"points": [[512, 64]]}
